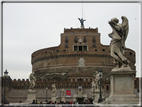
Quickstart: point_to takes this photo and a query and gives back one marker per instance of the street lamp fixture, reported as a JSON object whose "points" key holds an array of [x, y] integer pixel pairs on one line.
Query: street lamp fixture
{"points": [[5, 75], [25, 90], [60, 96], [46, 94], [100, 74]]}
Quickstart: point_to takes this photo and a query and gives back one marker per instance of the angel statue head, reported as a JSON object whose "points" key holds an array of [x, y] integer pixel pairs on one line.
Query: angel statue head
{"points": [[115, 20]]}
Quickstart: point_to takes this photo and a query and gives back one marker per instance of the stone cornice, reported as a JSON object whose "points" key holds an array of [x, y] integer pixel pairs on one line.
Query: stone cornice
{"points": [[71, 55]]}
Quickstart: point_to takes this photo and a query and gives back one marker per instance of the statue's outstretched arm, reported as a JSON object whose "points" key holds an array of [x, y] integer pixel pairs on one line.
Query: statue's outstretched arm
{"points": [[110, 35], [79, 18]]}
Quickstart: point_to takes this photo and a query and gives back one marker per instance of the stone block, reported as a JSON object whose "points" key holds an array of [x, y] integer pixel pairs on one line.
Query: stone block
{"points": [[97, 96], [122, 88], [53, 98], [63, 99], [31, 95]]}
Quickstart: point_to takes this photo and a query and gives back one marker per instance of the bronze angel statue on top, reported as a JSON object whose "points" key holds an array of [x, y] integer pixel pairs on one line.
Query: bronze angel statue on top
{"points": [[117, 45], [82, 21]]}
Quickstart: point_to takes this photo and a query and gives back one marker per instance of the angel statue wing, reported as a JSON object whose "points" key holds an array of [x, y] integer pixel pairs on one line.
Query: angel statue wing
{"points": [[125, 27]]}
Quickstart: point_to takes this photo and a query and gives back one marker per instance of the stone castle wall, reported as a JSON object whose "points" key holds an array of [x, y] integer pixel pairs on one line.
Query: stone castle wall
{"points": [[66, 57], [69, 65], [16, 90]]}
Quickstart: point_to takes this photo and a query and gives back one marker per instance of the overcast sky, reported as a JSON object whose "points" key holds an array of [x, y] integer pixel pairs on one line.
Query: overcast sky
{"points": [[28, 27]]}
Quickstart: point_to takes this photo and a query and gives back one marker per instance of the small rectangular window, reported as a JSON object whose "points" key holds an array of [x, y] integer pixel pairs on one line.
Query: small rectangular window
{"points": [[94, 39], [94, 44], [80, 48], [75, 48], [66, 40], [103, 49], [84, 39], [107, 87], [66, 45], [85, 48], [75, 40]]}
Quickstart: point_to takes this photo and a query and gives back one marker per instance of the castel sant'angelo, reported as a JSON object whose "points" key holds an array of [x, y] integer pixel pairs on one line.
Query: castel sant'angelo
{"points": [[71, 66]]}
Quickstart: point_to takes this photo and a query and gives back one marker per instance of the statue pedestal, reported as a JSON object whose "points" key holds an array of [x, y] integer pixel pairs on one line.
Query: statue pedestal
{"points": [[122, 88], [82, 27], [63, 98], [53, 98], [97, 95], [31, 96]]}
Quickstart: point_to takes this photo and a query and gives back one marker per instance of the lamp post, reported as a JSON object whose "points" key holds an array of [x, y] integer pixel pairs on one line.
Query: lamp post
{"points": [[25, 90], [100, 74], [60, 96], [46, 94], [5, 74]]}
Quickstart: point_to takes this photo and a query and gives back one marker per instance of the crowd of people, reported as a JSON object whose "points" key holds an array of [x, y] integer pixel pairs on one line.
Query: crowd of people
{"points": [[66, 103], [85, 103]]}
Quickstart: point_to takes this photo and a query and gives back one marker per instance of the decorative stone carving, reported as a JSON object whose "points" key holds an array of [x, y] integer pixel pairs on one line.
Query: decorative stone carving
{"points": [[93, 89], [80, 40], [81, 62], [63, 94], [32, 81], [54, 90], [80, 92], [117, 46], [97, 78], [93, 85]]}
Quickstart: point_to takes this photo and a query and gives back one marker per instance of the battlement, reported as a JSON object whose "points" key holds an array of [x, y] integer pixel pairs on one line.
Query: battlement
{"points": [[70, 83], [42, 83], [21, 80], [80, 30]]}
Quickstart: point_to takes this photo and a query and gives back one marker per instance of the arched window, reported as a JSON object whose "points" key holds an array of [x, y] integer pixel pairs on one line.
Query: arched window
{"points": [[84, 39], [66, 39], [130, 53], [103, 49], [94, 40], [107, 87], [75, 40]]}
